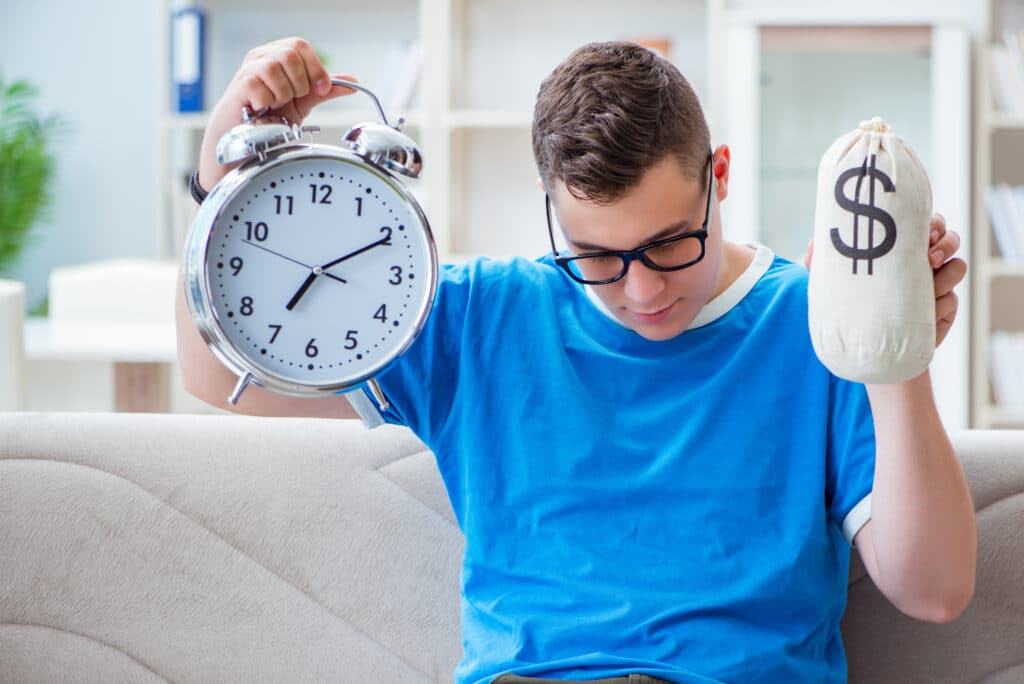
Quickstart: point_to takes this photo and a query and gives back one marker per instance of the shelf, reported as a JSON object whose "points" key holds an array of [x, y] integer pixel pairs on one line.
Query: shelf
{"points": [[483, 118], [1001, 268], [1005, 120], [1004, 416]]}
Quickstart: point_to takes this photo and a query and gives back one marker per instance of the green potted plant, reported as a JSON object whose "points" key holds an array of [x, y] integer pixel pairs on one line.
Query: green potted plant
{"points": [[26, 167]]}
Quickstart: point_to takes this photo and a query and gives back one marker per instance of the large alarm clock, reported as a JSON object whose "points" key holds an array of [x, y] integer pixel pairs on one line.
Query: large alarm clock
{"points": [[310, 268]]}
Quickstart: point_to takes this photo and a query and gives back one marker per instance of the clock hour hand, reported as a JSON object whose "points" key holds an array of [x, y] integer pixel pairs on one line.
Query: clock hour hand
{"points": [[301, 291], [307, 283]]}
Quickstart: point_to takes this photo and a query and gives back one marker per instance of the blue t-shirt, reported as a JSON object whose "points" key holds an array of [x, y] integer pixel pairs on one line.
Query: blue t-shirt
{"points": [[670, 508]]}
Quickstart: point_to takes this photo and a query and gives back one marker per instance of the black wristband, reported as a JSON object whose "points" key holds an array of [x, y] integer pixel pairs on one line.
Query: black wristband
{"points": [[198, 194]]}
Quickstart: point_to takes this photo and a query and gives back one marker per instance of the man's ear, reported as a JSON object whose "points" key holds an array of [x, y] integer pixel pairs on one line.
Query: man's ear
{"points": [[721, 161], [540, 184]]}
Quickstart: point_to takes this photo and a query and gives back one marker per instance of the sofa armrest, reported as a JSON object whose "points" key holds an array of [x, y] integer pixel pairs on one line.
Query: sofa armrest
{"points": [[984, 644]]}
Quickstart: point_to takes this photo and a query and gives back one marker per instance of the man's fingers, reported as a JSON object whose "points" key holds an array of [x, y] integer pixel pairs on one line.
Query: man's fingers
{"points": [[949, 276], [256, 90], [287, 77], [316, 74], [275, 77], [946, 307], [295, 70], [306, 104], [947, 246], [942, 327], [938, 228]]}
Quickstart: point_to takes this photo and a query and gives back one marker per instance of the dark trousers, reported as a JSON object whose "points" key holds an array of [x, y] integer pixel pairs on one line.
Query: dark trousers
{"points": [[631, 679]]}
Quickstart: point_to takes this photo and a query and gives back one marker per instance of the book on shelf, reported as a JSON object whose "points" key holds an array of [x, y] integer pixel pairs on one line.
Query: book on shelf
{"points": [[402, 72], [1007, 69], [1006, 367], [1005, 206]]}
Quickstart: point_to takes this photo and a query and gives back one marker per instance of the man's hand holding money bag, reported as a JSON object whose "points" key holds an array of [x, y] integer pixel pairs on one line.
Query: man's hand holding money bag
{"points": [[880, 294]]}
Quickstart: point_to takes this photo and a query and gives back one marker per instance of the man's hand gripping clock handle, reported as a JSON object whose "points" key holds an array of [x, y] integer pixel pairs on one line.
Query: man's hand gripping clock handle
{"points": [[285, 76]]}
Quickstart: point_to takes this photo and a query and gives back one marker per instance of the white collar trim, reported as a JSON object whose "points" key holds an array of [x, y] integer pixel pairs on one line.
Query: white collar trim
{"points": [[724, 302]]}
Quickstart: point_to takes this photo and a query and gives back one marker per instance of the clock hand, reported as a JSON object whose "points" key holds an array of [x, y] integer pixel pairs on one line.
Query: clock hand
{"points": [[294, 261], [322, 270], [307, 283], [382, 241], [278, 254], [334, 277], [301, 291]]}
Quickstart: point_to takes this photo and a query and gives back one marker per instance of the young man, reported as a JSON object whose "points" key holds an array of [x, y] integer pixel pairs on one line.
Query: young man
{"points": [[655, 475]]}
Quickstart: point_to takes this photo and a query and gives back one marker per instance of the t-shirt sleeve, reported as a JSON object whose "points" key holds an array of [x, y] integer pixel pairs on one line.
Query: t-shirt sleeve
{"points": [[420, 386], [851, 456]]}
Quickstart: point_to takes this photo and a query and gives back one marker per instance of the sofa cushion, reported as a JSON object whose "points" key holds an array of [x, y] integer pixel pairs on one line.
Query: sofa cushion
{"points": [[211, 548]]}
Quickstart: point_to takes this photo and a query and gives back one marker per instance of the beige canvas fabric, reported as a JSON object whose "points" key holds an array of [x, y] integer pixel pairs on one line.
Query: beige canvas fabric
{"points": [[871, 295]]}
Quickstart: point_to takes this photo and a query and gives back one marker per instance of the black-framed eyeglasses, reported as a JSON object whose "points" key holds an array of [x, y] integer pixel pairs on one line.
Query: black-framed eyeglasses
{"points": [[670, 254]]}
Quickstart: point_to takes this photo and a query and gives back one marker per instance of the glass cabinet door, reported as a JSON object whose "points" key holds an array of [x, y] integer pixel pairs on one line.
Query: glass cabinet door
{"points": [[818, 83]]}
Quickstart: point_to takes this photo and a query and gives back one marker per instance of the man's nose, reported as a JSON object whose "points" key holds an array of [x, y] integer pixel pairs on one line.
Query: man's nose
{"points": [[643, 284]]}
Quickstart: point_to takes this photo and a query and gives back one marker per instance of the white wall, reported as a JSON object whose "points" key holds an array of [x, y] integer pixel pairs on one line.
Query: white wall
{"points": [[94, 64]]}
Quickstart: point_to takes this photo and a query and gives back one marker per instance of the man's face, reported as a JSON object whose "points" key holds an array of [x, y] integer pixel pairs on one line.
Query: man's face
{"points": [[657, 305]]}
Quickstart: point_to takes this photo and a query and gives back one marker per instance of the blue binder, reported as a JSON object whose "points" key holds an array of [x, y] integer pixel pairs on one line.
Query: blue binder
{"points": [[187, 58]]}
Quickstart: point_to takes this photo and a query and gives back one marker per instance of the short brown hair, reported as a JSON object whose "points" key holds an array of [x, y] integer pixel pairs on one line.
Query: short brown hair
{"points": [[610, 112]]}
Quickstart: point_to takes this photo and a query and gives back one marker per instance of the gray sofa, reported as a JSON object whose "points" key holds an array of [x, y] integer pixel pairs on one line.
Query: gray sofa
{"points": [[143, 548]]}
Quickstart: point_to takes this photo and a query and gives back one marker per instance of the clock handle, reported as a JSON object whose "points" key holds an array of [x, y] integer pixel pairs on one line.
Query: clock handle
{"points": [[361, 88]]}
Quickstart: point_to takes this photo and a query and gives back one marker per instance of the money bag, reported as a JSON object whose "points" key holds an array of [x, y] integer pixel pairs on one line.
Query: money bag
{"points": [[871, 293]]}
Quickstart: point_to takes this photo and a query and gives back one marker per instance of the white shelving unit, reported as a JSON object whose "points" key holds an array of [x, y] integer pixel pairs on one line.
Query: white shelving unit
{"points": [[998, 284], [481, 66]]}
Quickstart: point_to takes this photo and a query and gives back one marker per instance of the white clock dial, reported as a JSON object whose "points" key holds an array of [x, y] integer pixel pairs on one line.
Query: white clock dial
{"points": [[318, 270]]}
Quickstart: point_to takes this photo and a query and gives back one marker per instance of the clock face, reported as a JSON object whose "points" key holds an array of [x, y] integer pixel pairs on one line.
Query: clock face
{"points": [[319, 270]]}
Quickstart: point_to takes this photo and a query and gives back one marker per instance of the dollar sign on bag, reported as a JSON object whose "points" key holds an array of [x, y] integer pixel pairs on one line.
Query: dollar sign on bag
{"points": [[869, 210]]}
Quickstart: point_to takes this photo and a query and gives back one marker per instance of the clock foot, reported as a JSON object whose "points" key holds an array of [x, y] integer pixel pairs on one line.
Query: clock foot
{"points": [[243, 382], [378, 394]]}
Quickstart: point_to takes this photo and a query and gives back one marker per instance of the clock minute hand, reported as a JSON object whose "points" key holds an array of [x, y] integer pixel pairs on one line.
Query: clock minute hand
{"points": [[382, 241], [277, 254], [288, 258]]}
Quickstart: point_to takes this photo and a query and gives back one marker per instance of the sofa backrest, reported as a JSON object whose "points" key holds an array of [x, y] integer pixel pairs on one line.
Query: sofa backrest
{"points": [[985, 645]]}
